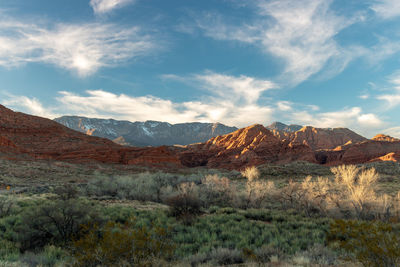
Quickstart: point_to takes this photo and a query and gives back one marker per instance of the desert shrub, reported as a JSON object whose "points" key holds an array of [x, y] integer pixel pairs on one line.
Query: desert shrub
{"points": [[291, 194], [54, 221], [355, 189], [256, 190], [49, 257], [217, 257], [8, 250], [251, 173], [371, 243], [143, 186], [263, 254], [258, 214], [216, 190], [122, 245], [320, 255], [186, 205], [287, 232], [314, 195], [6, 205]]}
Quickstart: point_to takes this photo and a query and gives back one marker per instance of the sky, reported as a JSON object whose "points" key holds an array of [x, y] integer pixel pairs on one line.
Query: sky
{"points": [[325, 63]]}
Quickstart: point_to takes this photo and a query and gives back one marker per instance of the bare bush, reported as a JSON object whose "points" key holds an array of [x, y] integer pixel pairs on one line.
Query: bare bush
{"points": [[251, 173], [314, 195], [356, 188], [256, 190], [217, 190]]}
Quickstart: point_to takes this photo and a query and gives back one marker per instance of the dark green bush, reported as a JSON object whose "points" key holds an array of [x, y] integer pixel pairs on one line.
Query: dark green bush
{"points": [[374, 244], [122, 245], [54, 221], [184, 207]]}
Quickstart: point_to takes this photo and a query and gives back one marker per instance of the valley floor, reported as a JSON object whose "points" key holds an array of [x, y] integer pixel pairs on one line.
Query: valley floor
{"points": [[300, 214]]}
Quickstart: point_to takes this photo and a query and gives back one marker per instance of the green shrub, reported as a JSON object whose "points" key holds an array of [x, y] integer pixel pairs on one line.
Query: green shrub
{"points": [[217, 257], [372, 243], [122, 244], [184, 207], [54, 221]]}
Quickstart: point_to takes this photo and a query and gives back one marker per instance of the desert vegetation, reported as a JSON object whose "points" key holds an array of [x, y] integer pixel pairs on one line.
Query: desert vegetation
{"points": [[344, 215]]}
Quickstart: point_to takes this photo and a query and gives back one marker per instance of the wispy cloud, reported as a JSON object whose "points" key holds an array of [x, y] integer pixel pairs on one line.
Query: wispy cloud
{"points": [[302, 33], [392, 99], [242, 89], [26, 104], [353, 118], [386, 9], [83, 48], [394, 132], [105, 6]]}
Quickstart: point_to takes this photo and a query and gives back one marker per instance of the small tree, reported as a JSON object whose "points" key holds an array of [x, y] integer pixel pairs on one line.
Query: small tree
{"points": [[56, 221]]}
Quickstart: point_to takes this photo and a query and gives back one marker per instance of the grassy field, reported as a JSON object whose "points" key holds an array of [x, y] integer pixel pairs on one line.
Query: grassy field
{"points": [[61, 214]]}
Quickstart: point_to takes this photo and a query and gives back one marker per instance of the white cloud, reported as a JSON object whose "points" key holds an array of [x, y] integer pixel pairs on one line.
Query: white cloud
{"points": [[302, 33], [386, 9], [83, 48], [29, 105], [284, 105], [392, 99], [242, 88], [352, 118], [105, 6], [394, 132]]}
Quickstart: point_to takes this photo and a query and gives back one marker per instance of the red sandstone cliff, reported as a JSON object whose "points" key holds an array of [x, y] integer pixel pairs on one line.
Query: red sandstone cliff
{"points": [[46, 139]]}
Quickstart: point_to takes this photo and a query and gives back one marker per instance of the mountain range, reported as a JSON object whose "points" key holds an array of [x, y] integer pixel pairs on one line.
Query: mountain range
{"points": [[25, 136], [148, 133]]}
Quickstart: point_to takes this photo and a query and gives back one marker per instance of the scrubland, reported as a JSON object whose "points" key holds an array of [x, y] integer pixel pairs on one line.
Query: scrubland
{"points": [[299, 214]]}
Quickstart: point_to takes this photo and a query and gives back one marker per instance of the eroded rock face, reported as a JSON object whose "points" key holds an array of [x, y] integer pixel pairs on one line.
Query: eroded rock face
{"points": [[46, 139], [249, 146], [325, 138], [383, 137]]}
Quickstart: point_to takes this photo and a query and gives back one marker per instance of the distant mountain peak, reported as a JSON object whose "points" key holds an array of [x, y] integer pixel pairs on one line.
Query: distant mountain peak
{"points": [[279, 126]]}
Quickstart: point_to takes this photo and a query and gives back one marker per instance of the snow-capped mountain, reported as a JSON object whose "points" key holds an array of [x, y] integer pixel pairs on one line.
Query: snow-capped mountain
{"points": [[148, 133]]}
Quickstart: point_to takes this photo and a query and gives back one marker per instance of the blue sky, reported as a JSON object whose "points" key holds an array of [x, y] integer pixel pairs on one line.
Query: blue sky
{"points": [[326, 63]]}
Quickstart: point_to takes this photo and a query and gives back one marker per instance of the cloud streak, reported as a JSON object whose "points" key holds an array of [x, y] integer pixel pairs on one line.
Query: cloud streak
{"points": [[105, 6], [392, 99], [386, 9], [82, 48], [301, 33]]}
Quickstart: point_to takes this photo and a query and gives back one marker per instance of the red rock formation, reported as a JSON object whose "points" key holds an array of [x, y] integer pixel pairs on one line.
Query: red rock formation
{"points": [[45, 139], [388, 157], [325, 138], [253, 145], [362, 152], [383, 137]]}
